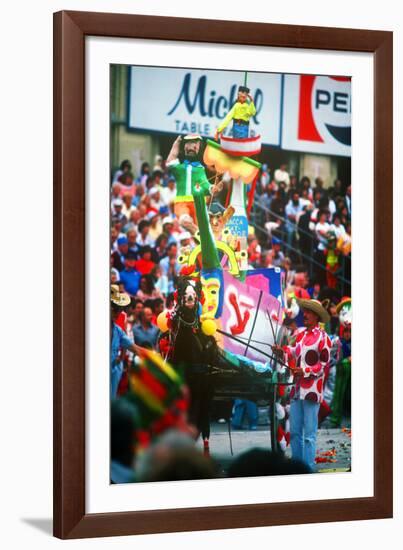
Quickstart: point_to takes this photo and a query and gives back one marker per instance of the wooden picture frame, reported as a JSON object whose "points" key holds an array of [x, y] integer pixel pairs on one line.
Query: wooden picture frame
{"points": [[70, 31]]}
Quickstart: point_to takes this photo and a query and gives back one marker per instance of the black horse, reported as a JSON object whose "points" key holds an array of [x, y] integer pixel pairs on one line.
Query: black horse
{"points": [[193, 352]]}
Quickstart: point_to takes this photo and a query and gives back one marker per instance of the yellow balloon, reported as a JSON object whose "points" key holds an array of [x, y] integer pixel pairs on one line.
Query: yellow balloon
{"points": [[162, 321], [209, 327]]}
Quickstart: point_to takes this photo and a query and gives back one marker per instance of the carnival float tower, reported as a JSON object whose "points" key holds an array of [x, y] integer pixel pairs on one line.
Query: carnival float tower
{"points": [[232, 155]]}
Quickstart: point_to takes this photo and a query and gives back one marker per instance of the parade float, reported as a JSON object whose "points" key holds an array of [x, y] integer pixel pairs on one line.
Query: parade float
{"points": [[227, 315]]}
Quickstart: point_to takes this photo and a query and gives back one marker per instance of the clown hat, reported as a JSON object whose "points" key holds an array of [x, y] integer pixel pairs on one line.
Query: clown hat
{"points": [[343, 302]]}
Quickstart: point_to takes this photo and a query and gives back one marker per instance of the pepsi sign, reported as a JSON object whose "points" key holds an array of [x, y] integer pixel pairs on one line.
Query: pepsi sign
{"points": [[317, 114]]}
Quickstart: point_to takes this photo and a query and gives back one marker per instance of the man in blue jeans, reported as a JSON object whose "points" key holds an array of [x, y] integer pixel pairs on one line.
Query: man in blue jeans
{"points": [[242, 407], [307, 359], [119, 338]]}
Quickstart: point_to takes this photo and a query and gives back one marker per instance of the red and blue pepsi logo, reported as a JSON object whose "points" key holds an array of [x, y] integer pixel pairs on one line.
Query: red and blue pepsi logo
{"points": [[325, 109]]}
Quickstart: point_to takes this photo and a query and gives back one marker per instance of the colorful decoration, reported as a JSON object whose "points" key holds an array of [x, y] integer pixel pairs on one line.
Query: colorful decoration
{"points": [[246, 315], [211, 271], [241, 147], [269, 279], [238, 224], [228, 245], [160, 395], [219, 219], [238, 167]]}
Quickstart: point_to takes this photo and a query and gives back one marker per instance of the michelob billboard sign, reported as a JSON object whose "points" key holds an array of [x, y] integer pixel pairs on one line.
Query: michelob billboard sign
{"points": [[304, 113], [181, 101]]}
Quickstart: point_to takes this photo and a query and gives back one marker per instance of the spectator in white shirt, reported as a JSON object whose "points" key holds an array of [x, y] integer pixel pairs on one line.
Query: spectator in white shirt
{"points": [[115, 191], [332, 207], [322, 229], [127, 207], [337, 227], [168, 193], [306, 201], [117, 214], [281, 175], [143, 237], [156, 203], [292, 212], [305, 188]]}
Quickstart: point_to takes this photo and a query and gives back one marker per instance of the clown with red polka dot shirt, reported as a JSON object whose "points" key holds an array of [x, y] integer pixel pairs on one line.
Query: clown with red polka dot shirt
{"points": [[307, 360]]}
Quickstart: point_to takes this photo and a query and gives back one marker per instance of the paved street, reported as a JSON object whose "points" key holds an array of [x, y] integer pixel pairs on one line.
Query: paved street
{"points": [[336, 443]]}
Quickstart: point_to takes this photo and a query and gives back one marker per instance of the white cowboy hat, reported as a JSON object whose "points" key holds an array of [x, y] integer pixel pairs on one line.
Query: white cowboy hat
{"points": [[193, 137], [119, 298]]}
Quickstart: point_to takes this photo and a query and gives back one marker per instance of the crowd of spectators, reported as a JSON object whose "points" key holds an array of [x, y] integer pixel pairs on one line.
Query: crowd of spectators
{"points": [[303, 225], [300, 226]]}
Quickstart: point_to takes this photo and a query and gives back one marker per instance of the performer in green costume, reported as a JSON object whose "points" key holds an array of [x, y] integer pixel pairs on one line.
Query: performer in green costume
{"points": [[187, 173]]}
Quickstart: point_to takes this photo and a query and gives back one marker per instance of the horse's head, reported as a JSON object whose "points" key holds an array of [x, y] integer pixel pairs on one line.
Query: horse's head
{"points": [[188, 297]]}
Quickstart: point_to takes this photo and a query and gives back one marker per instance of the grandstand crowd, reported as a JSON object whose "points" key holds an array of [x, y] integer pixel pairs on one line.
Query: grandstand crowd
{"points": [[298, 225]]}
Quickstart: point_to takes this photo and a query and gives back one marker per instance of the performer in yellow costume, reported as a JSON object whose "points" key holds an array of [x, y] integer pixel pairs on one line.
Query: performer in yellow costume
{"points": [[241, 112]]}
